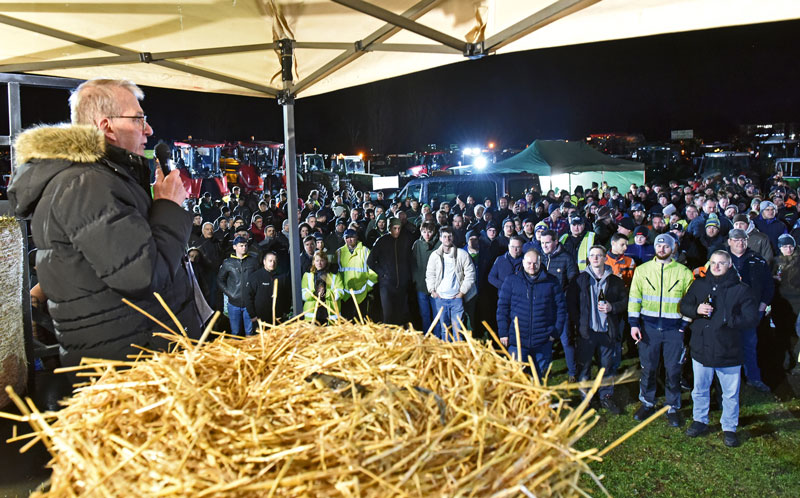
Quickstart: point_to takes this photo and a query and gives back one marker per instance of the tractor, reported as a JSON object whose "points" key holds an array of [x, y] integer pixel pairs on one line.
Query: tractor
{"points": [[198, 162]]}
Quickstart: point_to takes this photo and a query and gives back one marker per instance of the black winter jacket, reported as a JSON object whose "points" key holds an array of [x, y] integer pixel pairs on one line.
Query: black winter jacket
{"points": [[716, 341], [260, 288], [580, 303], [232, 278], [755, 272], [101, 237], [390, 258]]}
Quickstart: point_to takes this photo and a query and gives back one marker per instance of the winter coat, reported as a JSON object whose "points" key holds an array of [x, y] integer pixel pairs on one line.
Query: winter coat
{"points": [[759, 243], [560, 264], [504, 266], [334, 292], [232, 278], [755, 272], [716, 341], [539, 305], [260, 289], [580, 302], [464, 268], [390, 258], [101, 238], [789, 286], [772, 228], [421, 251], [640, 254]]}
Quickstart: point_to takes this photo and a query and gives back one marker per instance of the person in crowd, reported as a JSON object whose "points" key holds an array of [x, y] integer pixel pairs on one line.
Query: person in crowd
{"points": [[232, 279], [555, 222], [531, 313], [621, 265], [688, 251], [658, 326], [101, 235], [578, 241], [561, 265], [379, 230], [756, 240], [598, 300], [356, 276], [507, 264], [769, 224], [755, 272], [712, 239], [421, 251], [390, 259], [267, 291], [640, 251], [721, 307], [604, 226], [322, 292], [210, 247], [786, 303], [257, 228], [450, 280], [697, 225]]}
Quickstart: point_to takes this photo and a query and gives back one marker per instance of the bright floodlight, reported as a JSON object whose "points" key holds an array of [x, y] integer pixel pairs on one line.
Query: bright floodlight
{"points": [[480, 162]]}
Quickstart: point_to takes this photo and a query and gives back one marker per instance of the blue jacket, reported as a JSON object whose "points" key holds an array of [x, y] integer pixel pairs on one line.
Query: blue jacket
{"points": [[698, 225], [539, 305], [560, 264], [640, 254], [504, 266], [773, 228], [755, 272]]}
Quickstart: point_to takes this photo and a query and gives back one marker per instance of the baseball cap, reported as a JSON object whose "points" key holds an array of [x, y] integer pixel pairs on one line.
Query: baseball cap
{"points": [[676, 226], [239, 240], [641, 230], [318, 236], [737, 233], [576, 220], [349, 233], [637, 206], [395, 222]]}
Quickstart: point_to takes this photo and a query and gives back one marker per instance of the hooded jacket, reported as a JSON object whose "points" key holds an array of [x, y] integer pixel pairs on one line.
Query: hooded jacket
{"points": [[759, 243], [101, 238], [716, 341]]}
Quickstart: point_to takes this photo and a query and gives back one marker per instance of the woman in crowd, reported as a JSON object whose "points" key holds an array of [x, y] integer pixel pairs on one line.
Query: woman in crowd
{"points": [[322, 286]]}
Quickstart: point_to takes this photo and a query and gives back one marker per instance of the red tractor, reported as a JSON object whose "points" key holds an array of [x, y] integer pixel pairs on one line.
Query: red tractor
{"points": [[254, 166], [198, 162]]}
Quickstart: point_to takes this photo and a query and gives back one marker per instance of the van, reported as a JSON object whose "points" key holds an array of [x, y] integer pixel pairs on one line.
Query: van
{"points": [[445, 188]]}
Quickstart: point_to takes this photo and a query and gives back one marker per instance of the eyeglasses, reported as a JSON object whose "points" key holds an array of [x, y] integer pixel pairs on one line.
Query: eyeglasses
{"points": [[143, 119]]}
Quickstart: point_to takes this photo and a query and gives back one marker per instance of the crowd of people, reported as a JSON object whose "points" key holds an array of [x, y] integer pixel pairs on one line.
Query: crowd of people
{"points": [[665, 273]]}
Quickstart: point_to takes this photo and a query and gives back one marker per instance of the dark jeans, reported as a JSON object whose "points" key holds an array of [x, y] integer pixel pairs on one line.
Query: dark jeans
{"points": [[658, 342], [395, 305], [607, 349], [542, 356]]}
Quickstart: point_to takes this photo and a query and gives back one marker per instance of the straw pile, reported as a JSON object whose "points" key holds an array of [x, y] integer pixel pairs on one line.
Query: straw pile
{"points": [[301, 410], [13, 365]]}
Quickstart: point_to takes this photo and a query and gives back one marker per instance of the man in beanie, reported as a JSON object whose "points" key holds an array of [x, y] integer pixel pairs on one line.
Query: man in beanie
{"points": [[640, 250], [786, 304], [769, 224], [391, 260], [715, 341], [697, 225], [753, 271], [578, 241], [712, 239], [756, 240], [604, 227], [554, 221], [657, 326], [626, 226]]}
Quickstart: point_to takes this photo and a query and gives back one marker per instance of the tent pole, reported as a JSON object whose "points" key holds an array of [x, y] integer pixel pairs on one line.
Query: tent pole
{"points": [[286, 99]]}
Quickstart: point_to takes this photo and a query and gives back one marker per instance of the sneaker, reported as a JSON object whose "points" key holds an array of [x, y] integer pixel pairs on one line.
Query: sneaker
{"points": [[572, 379], [759, 386], [730, 439], [644, 412], [697, 429], [674, 419], [607, 402], [686, 385]]}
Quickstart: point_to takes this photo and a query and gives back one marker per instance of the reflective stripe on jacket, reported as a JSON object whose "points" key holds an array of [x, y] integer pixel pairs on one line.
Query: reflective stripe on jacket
{"points": [[655, 294], [355, 273], [333, 296]]}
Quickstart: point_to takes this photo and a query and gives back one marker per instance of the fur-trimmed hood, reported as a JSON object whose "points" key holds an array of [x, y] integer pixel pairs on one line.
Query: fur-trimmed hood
{"points": [[44, 152]]}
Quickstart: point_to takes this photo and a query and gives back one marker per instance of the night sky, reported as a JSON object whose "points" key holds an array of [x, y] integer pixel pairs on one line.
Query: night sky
{"points": [[710, 81]]}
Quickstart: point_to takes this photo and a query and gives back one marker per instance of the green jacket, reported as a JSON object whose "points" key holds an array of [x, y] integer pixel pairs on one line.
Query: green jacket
{"points": [[420, 253]]}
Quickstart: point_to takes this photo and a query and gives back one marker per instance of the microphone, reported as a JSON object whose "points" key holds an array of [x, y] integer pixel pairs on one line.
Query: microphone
{"points": [[162, 152]]}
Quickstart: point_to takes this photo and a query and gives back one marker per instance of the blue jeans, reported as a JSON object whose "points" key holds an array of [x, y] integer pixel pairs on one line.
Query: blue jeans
{"points": [[569, 351], [542, 356], [749, 348], [237, 315], [426, 305], [729, 379], [452, 309]]}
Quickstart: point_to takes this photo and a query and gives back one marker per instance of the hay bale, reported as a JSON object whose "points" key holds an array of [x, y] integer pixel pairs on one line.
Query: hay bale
{"points": [[13, 364], [301, 410]]}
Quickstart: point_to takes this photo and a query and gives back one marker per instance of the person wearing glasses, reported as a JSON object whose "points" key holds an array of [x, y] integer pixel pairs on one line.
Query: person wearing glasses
{"points": [[100, 235]]}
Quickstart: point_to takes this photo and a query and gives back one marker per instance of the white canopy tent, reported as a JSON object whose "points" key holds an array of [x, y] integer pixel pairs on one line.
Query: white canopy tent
{"points": [[295, 48]]}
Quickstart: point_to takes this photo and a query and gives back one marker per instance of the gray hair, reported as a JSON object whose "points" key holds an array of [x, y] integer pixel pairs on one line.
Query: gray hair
{"points": [[96, 99]]}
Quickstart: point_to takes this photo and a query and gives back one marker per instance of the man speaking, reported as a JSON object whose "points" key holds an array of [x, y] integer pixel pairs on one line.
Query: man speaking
{"points": [[100, 236]]}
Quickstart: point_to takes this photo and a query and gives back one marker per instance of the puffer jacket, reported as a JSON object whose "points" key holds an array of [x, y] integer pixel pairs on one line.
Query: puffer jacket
{"points": [[504, 266], [560, 264], [716, 341], [232, 278], [421, 251], [539, 305], [101, 238]]}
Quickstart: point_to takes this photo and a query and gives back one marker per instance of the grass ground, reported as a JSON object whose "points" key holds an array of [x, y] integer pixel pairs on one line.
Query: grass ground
{"points": [[662, 461]]}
